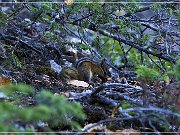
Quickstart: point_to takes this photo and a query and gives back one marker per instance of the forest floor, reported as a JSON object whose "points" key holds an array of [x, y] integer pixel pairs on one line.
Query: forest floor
{"points": [[119, 105]]}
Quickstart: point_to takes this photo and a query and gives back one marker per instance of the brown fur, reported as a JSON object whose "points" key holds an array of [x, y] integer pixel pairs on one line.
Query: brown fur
{"points": [[86, 70]]}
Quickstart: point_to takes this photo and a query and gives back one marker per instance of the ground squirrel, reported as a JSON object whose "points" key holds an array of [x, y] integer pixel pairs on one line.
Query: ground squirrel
{"points": [[86, 70]]}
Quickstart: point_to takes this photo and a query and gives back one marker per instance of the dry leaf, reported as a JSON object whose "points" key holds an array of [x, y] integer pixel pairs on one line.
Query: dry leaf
{"points": [[109, 79], [159, 40], [79, 83], [120, 12], [4, 81], [69, 2], [99, 128], [65, 94]]}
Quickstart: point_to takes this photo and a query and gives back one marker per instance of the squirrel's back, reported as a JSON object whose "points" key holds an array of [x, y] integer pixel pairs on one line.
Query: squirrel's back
{"points": [[89, 69], [86, 70]]}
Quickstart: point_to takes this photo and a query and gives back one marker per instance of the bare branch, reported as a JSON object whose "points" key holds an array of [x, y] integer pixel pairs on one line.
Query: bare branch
{"points": [[135, 45]]}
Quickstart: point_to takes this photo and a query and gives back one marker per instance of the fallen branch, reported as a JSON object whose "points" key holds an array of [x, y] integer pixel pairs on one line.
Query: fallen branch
{"points": [[8, 38]]}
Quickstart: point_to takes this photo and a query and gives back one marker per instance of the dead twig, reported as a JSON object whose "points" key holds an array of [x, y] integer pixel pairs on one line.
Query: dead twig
{"points": [[9, 38]]}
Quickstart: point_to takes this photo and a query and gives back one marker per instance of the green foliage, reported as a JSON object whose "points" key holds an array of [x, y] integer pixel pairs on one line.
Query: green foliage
{"points": [[16, 61], [147, 74], [48, 7], [3, 19], [177, 69], [125, 105], [55, 110], [132, 7], [99, 16], [42, 13], [169, 12], [109, 48], [145, 39], [155, 6], [84, 46], [9, 90], [177, 14], [165, 127], [174, 71], [169, 66], [135, 57], [49, 35]]}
